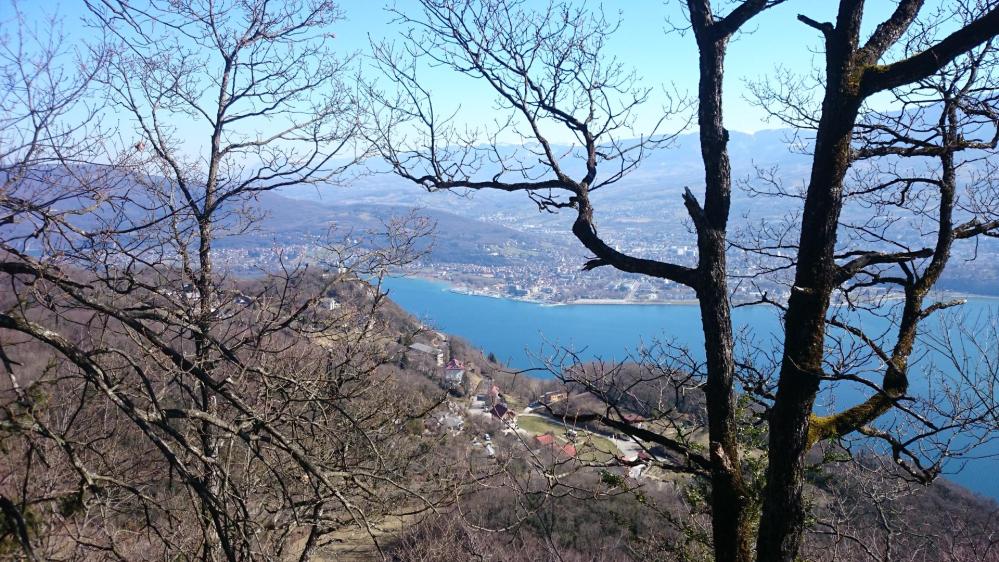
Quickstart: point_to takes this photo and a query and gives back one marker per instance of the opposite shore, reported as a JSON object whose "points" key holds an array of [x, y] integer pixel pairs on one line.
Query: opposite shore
{"points": [[465, 290]]}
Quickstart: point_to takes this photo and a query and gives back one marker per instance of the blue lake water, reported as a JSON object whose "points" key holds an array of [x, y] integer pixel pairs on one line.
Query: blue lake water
{"points": [[520, 333]]}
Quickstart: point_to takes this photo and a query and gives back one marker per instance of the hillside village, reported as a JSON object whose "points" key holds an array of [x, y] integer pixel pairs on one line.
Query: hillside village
{"points": [[503, 413]]}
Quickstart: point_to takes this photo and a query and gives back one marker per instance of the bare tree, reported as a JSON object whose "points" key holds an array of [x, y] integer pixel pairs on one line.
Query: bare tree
{"points": [[853, 73], [549, 70], [157, 405]]}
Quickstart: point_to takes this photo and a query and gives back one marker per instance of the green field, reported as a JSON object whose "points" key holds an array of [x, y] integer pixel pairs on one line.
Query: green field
{"points": [[538, 425]]}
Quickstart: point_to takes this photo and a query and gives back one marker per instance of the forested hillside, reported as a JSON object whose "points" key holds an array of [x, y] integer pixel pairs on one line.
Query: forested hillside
{"points": [[196, 363]]}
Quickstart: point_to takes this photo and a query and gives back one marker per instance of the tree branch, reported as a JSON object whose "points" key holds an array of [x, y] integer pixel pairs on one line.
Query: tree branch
{"points": [[876, 78]]}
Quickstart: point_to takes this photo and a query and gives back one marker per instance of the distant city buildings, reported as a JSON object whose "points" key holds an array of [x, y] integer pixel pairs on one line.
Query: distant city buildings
{"points": [[549, 269]]}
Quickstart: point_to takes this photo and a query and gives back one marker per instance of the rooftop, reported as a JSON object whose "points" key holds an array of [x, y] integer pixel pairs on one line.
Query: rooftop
{"points": [[544, 439], [424, 348]]}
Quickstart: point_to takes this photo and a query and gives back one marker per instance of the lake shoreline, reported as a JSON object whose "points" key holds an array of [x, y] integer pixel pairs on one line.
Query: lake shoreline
{"points": [[523, 335], [452, 287]]}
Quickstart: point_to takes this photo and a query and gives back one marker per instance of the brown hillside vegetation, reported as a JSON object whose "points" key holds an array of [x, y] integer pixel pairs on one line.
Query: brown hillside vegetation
{"points": [[193, 368]]}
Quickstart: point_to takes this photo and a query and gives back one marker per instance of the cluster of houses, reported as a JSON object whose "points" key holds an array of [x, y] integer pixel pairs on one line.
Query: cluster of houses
{"points": [[454, 372], [453, 375], [228, 303], [187, 292], [223, 306], [548, 445]]}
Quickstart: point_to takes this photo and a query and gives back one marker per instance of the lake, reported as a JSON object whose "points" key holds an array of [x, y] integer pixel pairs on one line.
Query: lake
{"points": [[520, 333]]}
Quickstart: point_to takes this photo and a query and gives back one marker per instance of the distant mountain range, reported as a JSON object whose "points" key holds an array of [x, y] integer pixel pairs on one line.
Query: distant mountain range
{"points": [[662, 177], [646, 202], [456, 238], [492, 228]]}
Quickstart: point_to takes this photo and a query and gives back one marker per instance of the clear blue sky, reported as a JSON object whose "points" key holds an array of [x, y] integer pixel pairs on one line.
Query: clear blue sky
{"points": [[660, 58]]}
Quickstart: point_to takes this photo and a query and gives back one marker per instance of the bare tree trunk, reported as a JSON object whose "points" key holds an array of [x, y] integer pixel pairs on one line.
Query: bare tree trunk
{"points": [[208, 433], [782, 521], [730, 528]]}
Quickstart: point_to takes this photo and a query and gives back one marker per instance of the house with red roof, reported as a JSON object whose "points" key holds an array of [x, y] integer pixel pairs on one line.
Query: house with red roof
{"points": [[544, 439], [454, 373], [547, 441]]}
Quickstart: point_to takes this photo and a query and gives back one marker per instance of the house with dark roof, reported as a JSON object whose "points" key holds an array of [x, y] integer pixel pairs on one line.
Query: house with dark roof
{"points": [[502, 412]]}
